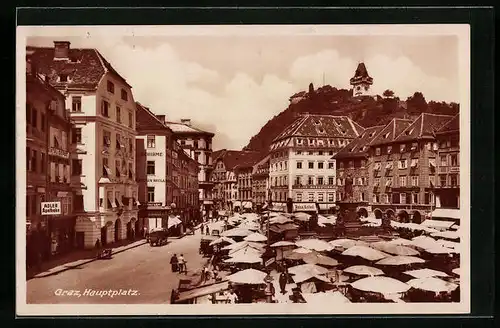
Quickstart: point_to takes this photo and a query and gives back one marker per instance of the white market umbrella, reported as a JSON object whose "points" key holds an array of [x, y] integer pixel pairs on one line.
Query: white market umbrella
{"points": [[305, 272], [449, 244], [426, 273], [236, 232], [446, 234], [248, 258], [393, 249], [243, 244], [456, 271], [248, 276], [246, 251], [400, 260], [279, 220], [255, 237], [173, 221], [432, 284], [424, 242], [316, 258], [314, 244], [302, 250], [222, 240], [401, 241], [325, 298], [381, 284], [441, 250], [365, 252], [301, 216], [347, 243], [323, 220], [283, 243], [364, 270]]}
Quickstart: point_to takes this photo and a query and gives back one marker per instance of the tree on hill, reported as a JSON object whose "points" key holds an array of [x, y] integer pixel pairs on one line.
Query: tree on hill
{"points": [[417, 103], [388, 94]]}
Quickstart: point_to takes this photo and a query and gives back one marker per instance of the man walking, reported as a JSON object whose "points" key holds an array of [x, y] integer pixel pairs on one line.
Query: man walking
{"points": [[182, 264], [207, 230], [283, 280], [174, 263]]}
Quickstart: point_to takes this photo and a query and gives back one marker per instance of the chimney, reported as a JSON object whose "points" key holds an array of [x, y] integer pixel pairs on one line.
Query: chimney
{"points": [[161, 118], [186, 121], [61, 49]]}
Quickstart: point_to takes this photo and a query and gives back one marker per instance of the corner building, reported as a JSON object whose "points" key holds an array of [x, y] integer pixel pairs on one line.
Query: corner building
{"points": [[103, 141]]}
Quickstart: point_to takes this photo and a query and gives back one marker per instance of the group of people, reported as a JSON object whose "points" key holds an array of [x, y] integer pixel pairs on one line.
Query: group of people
{"points": [[178, 264], [207, 274]]}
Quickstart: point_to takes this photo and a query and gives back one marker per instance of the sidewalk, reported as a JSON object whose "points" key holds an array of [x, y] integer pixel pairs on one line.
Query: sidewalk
{"points": [[77, 258]]}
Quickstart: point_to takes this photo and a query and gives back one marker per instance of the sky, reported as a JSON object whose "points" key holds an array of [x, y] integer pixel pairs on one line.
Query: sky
{"points": [[232, 85]]}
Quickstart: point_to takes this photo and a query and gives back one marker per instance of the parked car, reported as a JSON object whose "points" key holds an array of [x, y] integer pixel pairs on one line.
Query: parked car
{"points": [[158, 237]]}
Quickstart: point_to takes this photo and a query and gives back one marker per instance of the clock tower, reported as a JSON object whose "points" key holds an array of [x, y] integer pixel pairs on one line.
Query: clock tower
{"points": [[361, 81]]}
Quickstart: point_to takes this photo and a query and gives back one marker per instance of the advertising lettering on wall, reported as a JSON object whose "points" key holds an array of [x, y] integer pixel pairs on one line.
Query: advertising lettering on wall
{"points": [[299, 207], [51, 208]]}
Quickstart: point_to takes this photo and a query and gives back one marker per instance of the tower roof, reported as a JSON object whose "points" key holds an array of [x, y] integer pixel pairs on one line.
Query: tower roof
{"points": [[361, 75]]}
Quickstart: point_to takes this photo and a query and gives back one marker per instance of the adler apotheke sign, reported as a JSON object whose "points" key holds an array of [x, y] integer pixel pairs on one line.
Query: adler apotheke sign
{"points": [[51, 208]]}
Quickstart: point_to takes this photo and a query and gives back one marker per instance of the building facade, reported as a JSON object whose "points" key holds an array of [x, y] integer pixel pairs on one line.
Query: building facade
{"points": [[198, 144], [48, 168], [403, 168], [260, 182], [301, 166], [103, 141]]}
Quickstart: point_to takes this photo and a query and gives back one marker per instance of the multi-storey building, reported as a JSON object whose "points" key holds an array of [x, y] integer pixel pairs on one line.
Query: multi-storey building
{"points": [[243, 173], [48, 129], [352, 162], [403, 167], [154, 173], [260, 182], [198, 144], [301, 164], [103, 154], [447, 186]]}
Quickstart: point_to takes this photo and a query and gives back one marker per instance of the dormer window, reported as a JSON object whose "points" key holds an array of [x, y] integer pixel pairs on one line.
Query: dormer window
{"points": [[317, 122], [63, 78], [389, 149], [386, 135], [402, 148], [321, 131]]}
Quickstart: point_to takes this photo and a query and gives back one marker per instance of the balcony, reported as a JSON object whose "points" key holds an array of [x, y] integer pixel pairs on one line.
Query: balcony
{"points": [[61, 153]]}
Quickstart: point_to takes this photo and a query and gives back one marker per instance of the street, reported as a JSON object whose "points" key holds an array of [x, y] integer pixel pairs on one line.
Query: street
{"points": [[139, 275]]}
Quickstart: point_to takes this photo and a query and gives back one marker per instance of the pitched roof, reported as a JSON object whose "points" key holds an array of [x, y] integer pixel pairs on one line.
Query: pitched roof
{"points": [[218, 153], [361, 74], [317, 125], [390, 131], [183, 128], [359, 146], [85, 67], [239, 158], [453, 125], [424, 126], [147, 121]]}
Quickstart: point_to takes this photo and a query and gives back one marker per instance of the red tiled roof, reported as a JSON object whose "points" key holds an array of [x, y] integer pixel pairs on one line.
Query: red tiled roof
{"points": [[216, 154], [424, 126], [146, 120], [182, 128], [237, 158], [390, 131], [359, 146], [84, 68], [316, 125], [452, 126]]}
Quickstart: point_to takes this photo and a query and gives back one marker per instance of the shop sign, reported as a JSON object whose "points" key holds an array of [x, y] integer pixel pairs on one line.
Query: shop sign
{"points": [[152, 154], [58, 152], [301, 207], [51, 208], [156, 180]]}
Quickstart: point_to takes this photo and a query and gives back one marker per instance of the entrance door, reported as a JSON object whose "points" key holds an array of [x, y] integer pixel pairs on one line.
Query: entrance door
{"points": [[129, 230], [104, 235], [118, 230], [137, 229]]}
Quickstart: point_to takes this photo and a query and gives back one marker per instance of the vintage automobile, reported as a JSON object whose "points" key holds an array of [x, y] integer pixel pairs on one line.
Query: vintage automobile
{"points": [[158, 237], [205, 248]]}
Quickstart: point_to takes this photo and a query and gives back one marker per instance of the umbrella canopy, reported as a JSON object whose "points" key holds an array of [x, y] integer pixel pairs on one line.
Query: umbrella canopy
{"points": [[248, 250], [246, 258], [283, 243], [249, 276], [432, 284], [323, 220], [380, 284], [291, 255], [301, 216], [456, 271], [449, 244], [236, 232], [425, 273], [256, 237], [302, 250], [364, 270], [243, 244], [365, 252], [222, 240], [401, 241], [347, 243], [316, 258], [441, 250], [424, 242], [446, 234], [307, 271], [400, 260], [173, 221], [394, 249], [279, 220], [314, 244], [325, 298]]}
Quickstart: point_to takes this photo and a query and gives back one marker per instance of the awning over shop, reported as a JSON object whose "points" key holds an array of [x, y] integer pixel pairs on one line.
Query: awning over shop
{"points": [[203, 291], [437, 224], [173, 221], [446, 213]]}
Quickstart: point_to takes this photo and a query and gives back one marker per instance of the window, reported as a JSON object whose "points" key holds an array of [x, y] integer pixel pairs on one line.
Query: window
{"points": [[151, 194], [388, 182], [402, 148], [402, 164], [320, 153], [42, 122], [389, 149], [331, 180], [375, 198], [117, 168], [119, 144], [331, 197], [320, 165], [106, 139], [150, 169], [376, 182], [124, 95], [442, 180], [34, 165], [454, 160], [110, 201], [454, 180], [402, 198], [432, 181], [43, 165], [331, 165], [444, 160], [311, 197], [298, 180], [377, 151], [321, 197], [363, 163], [414, 198], [414, 146], [299, 165], [360, 181], [310, 180], [362, 196], [299, 152], [130, 120], [311, 165], [151, 142], [76, 166], [311, 153], [77, 135], [414, 181], [351, 164], [414, 163], [28, 113], [34, 117], [320, 180], [402, 181], [111, 87], [106, 170], [105, 108], [118, 114], [76, 104], [341, 165]]}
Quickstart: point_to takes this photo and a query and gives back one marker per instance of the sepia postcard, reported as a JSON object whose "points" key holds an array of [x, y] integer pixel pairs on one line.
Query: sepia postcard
{"points": [[212, 170]]}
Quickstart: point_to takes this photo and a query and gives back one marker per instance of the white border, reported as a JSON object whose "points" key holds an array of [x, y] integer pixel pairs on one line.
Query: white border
{"points": [[461, 31]]}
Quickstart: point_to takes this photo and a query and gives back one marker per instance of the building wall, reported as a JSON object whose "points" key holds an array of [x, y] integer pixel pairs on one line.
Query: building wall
{"points": [[357, 168], [448, 170], [158, 180]]}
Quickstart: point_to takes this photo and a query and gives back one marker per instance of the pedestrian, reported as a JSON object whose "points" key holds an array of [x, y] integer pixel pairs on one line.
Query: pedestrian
{"points": [[182, 264], [232, 298], [97, 246], [215, 274], [174, 263], [283, 280], [203, 225], [207, 230]]}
